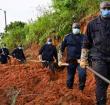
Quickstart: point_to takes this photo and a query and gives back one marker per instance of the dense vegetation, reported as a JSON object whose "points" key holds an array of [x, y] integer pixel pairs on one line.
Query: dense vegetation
{"points": [[59, 19]]}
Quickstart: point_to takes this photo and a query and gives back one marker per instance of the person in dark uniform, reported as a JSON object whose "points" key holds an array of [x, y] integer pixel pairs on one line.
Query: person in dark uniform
{"points": [[5, 50], [48, 54], [19, 54], [73, 43], [96, 44], [3, 58]]}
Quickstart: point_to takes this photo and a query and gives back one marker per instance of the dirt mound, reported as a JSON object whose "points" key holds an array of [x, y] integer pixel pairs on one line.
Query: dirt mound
{"points": [[33, 86], [29, 84], [32, 51]]}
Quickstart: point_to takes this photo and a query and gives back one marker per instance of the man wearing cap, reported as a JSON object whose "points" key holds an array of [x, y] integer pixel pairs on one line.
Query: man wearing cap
{"points": [[73, 43], [97, 44], [48, 56]]}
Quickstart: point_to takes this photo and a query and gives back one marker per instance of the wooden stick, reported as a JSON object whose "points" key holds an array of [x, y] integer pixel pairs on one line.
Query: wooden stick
{"points": [[63, 64], [90, 69], [99, 75], [37, 61]]}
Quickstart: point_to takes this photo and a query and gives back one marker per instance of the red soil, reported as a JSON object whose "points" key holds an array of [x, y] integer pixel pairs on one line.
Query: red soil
{"points": [[36, 88]]}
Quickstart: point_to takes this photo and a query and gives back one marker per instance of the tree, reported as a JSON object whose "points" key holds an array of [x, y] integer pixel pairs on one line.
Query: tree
{"points": [[14, 25]]}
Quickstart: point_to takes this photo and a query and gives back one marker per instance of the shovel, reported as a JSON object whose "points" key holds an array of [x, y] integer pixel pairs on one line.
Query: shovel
{"points": [[91, 70]]}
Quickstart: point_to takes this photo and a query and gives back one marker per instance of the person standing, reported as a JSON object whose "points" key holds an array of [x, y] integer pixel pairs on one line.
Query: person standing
{"points": [[48, 57], [73, 43], [96, 45], [3, 58], [5, 50]]}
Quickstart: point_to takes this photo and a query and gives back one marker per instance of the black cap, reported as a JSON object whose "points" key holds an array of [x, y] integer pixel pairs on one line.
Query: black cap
{"points": [[104, 4], [76, 25]]}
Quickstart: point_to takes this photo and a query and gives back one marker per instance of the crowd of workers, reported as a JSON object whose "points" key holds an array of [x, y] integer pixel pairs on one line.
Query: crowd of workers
{"points": [[16, 53], [92, 48]]}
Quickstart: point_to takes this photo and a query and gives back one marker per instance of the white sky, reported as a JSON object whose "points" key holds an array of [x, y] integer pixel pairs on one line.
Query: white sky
{"points": [[21, 10]]}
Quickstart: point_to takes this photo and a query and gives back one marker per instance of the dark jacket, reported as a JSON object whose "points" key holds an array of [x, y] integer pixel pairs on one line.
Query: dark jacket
{"points": [[3, 59], [97, 38], [73, 44], [18, 54], [48, 52], [5, 51]]}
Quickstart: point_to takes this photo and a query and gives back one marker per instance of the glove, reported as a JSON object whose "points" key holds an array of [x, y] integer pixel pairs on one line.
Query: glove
{"points": [[84, 63], [84, 58], [59, 63]]}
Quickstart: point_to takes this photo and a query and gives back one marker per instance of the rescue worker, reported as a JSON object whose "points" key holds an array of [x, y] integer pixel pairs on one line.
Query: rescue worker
{"points": [[97, 44], [5, 50], [3, 58], [73, 43], [48, 54], [19, 54]]}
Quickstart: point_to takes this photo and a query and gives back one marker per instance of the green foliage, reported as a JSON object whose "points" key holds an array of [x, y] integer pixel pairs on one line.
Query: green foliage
{"points": [[64, 14], [16, 24], [15, 34]]}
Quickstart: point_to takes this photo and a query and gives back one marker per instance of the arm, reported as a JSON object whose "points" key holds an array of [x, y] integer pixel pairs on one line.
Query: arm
{"points": [[40, 53], [41, 50], [63, 45], [61, 50], [87, 40], [87, 44]]}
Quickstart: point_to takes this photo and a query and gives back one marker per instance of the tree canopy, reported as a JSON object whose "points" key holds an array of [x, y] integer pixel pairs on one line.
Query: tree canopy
{"points": [[63, 14]]}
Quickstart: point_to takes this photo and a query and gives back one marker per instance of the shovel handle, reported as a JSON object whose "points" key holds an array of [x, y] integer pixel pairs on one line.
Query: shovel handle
{"points": [[99, 75]]}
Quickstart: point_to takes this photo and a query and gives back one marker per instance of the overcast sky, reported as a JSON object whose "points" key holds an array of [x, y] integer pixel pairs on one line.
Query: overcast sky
{"points": [[21, 10]]}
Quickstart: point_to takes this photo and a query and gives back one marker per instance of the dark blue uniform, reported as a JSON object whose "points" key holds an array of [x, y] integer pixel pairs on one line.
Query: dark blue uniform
{"points": [[98, 41], [48, 52], [18, 54], [3, 59], [73, 44], [5, 52]]}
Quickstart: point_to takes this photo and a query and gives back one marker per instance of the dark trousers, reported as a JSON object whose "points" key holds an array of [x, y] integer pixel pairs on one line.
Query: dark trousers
{"points": [[71, 70], [103, 68], [51, 65]]}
